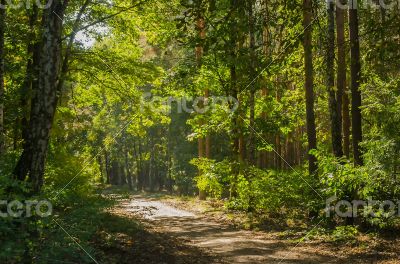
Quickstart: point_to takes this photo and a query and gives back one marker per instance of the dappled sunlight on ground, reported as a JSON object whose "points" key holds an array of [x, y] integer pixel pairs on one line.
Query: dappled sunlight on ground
{"points": [[231, 244]]}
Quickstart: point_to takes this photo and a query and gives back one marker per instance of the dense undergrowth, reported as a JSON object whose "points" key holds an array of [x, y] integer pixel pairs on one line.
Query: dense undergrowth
{"points": [[79, 212], [293, 195]]}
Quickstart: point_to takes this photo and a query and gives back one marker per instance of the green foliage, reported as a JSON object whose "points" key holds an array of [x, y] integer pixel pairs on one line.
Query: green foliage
{"points": [[213, 177], [344, 233], [270, 192]]}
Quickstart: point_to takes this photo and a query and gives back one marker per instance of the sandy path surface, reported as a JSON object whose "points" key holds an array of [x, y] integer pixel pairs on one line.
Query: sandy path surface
{"points": [[230, 244]]}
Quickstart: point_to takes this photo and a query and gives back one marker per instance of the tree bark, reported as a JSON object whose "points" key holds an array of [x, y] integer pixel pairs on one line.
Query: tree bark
{"points": [[44, 99], [309, 85], [252, 71], [342, 97], [2, 59], [203, 148], [32, 71], [128, 169], [346, 122], [355, 73], [334, 104]]}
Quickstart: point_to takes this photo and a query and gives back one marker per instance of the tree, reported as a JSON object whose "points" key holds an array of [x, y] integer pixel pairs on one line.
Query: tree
{"points": [[253, 76], [309, 85], [2, 58], [335, 97], [355, 74], [341, 77], [44, 99]]}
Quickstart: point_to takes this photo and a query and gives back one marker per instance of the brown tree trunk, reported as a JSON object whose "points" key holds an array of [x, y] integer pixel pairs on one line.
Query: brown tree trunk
{"points": [[203, 144], [128, 169], [346, 122], [108, 167], [251, 140], [44, 100], [355, 73], [309, 85], [32, 71], [341, 79], [2, 58], [334, 99], [263, 153], [100, 162]]}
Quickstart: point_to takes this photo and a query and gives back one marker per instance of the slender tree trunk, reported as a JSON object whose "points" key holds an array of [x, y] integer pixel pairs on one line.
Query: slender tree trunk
{"points": [[263, 153], [122, 178], [251, 141], [115, 173], [346, 122], [355, 72], [278, 147], [341, 79], [108, 167], [139, 167], [128, 169], [2, 58], [334, 104], [309, 85], [266, 51], [100, 162], [68, 50], [203, 148], [44, 100]]}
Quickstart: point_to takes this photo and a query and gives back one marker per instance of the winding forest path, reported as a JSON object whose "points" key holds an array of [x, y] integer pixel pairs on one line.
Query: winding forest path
{"points": [[232, 245]]}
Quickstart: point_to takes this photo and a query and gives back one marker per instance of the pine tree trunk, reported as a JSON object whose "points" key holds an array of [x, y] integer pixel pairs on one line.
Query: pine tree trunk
{"points": [[346, 122], [108, 167], [128, 170], [342, 97], [44, 100], [355, 73], [252, 141], [334, 105], [263, 153], [2, 58], [309, 85], [203, 148]]}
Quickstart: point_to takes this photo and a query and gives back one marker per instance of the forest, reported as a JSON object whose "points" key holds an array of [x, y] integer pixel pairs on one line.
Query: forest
{"points": [[129, 128]]}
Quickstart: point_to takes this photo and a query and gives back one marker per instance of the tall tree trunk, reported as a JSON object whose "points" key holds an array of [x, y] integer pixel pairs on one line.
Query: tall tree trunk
{"points": [[342, 97], [266, 51], [334, 98], [355, 73], [128, 169], [44, 100], [278, 147], [346, 122], [252, 70], [100, 162], [108, 167], [309, 85], [2, 58], [32, 71], [263, 154], [202, 148], [139, 166], [68, 50]]}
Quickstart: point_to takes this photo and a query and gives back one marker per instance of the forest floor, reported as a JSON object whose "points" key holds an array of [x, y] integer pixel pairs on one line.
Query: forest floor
{"points": [[191, 231]]}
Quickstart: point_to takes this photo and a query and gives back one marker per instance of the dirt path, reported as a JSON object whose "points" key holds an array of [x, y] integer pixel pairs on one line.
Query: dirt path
{"points": [[233, 245]]}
